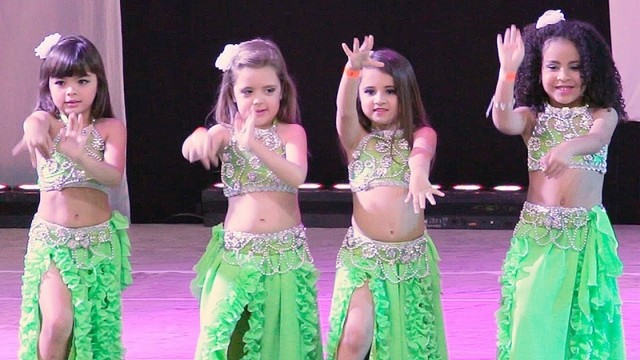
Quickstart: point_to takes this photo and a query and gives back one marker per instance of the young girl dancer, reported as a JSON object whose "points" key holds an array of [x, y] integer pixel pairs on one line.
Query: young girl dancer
{"points": [[77, 263], [387, 292], [256, 282], [560, 297]]}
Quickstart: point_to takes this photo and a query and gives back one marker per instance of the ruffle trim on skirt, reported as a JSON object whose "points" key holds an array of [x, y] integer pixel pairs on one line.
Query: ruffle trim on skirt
{"points": [[595, 329], [424, 333], [95, 296], [249, 289]]}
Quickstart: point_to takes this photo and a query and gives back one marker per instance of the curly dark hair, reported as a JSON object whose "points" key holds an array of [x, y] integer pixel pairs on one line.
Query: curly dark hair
{"points": [[603, 87]]}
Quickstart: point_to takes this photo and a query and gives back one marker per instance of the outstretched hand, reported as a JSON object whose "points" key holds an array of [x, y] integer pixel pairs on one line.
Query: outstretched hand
{"points": [[37, 141], [510, 49], [198, 147], [360, 55], [421, 191]]}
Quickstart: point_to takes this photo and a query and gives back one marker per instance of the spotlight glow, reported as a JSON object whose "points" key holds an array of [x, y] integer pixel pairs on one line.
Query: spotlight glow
{"points": [[310, 186], [4, 187], [467, 187], [218, 185], [436, 186], [29, 187], [342, 187], [508, 188]]}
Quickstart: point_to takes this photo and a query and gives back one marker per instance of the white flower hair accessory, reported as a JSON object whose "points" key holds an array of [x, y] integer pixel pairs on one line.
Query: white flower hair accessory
{"points": [[549, 17], [225, 59], [45, 46]]}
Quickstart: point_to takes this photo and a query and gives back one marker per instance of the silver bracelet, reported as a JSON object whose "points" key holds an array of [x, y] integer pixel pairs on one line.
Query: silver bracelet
{"points": [[498, 105]]}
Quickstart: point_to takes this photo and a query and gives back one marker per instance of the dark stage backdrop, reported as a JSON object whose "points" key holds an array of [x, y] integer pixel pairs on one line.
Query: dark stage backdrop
{"points": [[170, 85]]}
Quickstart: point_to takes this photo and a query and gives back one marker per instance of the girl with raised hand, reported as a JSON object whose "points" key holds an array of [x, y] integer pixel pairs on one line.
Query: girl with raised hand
{"points": [[386, 298], [77, 263], [560, 296], [256, 282]]}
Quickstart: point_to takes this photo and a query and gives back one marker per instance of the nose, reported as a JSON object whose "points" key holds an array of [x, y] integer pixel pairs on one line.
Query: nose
{"points": [[70, 90], [563, 74], [257, 101]]}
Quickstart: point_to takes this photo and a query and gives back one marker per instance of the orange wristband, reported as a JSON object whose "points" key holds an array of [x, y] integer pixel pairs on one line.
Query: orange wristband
{"points": [[510, 76], [351, 73]]}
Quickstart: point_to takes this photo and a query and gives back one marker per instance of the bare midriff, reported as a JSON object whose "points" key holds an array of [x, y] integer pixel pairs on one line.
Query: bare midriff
{"points": [[382, 215], [574, 188], [262, 212], [74, 207]]}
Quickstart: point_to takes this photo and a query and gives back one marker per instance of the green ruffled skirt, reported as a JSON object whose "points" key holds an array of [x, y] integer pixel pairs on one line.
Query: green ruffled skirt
{"points": [[405, 287], [560, 296], [276, 294], [95, 276]]}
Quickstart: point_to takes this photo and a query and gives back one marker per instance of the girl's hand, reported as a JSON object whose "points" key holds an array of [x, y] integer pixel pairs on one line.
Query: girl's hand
{"points": [[556, 161], [73, 137], [198, 147], [360, 55], [36, 140], [510, 49], [244, 129], [420, 189]]}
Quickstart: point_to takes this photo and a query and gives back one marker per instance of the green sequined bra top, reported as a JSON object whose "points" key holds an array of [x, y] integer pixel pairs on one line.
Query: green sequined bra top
{"points": [[381, 159], [557, 125], [59, 172], [242, 172]]}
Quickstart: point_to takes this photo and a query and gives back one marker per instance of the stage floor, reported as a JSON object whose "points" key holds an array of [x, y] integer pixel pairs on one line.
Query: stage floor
{"points": [[161, 317]]}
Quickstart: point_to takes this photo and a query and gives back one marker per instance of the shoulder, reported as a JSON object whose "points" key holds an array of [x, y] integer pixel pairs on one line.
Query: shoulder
{"points": [[425, 131], [529, 116], [290, 132], [606, 114], [110, 128]]}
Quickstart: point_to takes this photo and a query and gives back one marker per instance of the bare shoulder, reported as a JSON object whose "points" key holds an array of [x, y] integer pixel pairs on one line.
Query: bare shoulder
{"points": [[606, 114], [529, 117], [108, 127], [290, 132], [425, 131]]}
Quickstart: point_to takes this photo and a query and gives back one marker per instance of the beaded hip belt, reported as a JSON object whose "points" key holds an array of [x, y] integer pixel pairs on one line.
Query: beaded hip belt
{"points": [[554, 217], [395, 262], [73, 238], [271, 253]]}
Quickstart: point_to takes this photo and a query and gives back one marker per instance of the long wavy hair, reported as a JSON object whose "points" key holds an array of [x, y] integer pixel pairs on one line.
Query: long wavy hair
{"points": [[74, 55], [603, 87], [411, 113], [257, 53]]}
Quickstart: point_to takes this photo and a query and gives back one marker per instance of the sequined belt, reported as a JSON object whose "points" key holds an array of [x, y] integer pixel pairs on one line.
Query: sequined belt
{"points": [[272, 253], [563, 227], [73, 238], [395, 262], [554, 217]]}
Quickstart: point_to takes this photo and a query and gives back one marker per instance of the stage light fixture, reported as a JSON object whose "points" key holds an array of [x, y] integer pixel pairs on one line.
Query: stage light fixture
{"points": [[28, 187], [310, 186], [218, 185], [342, 187], [4, 187], [508, 188], [467, 187]]}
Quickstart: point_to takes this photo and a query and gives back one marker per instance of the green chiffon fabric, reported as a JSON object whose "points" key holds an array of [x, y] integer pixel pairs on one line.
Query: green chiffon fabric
{"points": [[408, 320], [283, 321], [561, 304], [95, 284]]}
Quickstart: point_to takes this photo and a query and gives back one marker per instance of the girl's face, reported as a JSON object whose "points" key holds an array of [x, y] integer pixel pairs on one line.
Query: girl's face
{"points": [[74, 94], [561, 78], [258, 90], [378, 98]]}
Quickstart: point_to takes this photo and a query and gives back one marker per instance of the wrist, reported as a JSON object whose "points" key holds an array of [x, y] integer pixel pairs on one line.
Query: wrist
{"points": [[507, 75], [352, 73]]}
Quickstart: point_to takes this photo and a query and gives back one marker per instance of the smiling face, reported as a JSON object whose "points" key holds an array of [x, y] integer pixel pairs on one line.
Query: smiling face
{"points": [[258, 90], [74, 94], [561, 77], [378, 98]]}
